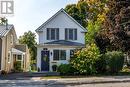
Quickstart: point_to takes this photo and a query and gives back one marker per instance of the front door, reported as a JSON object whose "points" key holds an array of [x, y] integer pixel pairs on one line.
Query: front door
{"points": [[44, 60]]}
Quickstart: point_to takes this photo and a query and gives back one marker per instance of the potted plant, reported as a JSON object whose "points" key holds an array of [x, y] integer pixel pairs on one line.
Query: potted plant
{"points": [[54, 67]]}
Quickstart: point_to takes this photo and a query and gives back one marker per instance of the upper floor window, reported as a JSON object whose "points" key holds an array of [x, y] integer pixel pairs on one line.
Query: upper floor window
{"points": [[52, 33], [70, 34]]}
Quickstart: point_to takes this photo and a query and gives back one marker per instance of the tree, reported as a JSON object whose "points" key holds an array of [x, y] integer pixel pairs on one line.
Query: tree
{"points": [[3, 21], [29, 39], [96, 16], [117, 25], [78, 12]]}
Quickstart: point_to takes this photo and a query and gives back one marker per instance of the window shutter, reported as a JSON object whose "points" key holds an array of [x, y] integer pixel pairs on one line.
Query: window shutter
{"points": [[48, 34], [75, 31], [66, 38], [57, 33]]}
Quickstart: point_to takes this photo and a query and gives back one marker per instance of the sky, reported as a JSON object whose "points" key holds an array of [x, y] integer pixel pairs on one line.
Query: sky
{"points": [[30, 14]]}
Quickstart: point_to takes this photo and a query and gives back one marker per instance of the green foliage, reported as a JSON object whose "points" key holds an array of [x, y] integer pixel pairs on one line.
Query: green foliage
{"points": [[115, 61], [100, 64], [84, 60], [29, 39], [92, 30], [17, 66], [3, 21], [78, 12], [66, 69]]}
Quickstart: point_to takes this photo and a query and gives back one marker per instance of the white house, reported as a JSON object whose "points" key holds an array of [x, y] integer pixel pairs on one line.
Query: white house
{"points": [[58, 37]]}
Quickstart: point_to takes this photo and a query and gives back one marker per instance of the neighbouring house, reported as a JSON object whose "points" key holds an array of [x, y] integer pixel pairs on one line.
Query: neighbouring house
{"points": [[58, 38], [11, 51]]}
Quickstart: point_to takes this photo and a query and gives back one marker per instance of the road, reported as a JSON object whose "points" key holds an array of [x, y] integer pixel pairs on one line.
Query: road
{"points": [[30, 83], [23, 80]]}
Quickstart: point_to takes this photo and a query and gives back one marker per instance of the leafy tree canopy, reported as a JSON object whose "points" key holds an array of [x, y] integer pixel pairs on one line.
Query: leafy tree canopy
{"points": [[29, 39]]}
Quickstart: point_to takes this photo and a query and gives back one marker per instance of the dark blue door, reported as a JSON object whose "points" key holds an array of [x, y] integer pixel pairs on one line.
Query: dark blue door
{"points": [[44, 60]]}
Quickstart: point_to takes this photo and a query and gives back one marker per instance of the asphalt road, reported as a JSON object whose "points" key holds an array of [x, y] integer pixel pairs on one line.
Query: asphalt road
{"points": [[28, 83]]}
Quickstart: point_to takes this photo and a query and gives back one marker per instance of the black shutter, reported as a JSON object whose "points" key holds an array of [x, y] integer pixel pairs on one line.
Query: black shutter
{"points": [[55, 54], [66, 33], [75, 33], [48, 33], [57, 33]]}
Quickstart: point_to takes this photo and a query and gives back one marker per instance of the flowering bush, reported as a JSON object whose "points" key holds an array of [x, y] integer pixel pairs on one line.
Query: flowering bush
{"points": [[84, 60]]}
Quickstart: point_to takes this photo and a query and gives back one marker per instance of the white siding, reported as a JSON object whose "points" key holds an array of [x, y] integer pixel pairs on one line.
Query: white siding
{"points": [[53, 62], [62, 21]]}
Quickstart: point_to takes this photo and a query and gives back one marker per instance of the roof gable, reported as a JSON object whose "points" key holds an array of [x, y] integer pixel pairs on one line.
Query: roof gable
{"points": [[5, 29], [61, 10]]}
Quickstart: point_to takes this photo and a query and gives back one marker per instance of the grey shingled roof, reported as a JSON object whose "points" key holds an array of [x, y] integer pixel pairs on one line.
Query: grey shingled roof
{"points": [[4, 30], [65, 43], [21, 47]]}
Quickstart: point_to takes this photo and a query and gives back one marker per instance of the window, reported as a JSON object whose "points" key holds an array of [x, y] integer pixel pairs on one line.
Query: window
{"points": [[8, 57], [19, 57], [59, 55], [70, 34], [52, 33], [11, 39]]}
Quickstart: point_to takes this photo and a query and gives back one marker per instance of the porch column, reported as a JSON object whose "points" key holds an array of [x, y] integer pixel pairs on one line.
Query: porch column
{"points": [[22, 62]]}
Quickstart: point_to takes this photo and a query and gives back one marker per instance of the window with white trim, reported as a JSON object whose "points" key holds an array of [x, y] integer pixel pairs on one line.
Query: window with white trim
{"points": [[70, 34], [59, 54], [52, 34]]}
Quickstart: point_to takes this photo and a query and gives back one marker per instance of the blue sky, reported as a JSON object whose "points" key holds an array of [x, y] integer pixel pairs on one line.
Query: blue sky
{"points": [[30, 14]]}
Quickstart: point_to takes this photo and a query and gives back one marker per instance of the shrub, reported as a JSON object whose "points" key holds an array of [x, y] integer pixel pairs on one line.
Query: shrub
{"points": [[84, 60], [17, 66], [54, 67], [100, 64], [66, 69], [115, 61], [3, 72]]}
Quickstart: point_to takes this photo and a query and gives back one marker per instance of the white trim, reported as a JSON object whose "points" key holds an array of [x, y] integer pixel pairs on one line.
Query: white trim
{"points": [[61, 10]]}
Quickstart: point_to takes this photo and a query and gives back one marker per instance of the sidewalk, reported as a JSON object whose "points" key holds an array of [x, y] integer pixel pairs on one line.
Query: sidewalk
{"points": [[87, 80], [62, 81]]}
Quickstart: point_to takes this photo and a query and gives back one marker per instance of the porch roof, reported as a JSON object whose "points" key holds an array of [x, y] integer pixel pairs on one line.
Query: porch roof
{"points": [[16, 51], [64, 43]]}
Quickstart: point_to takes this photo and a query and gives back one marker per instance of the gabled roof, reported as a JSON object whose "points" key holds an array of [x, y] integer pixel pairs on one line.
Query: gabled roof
{"points": [[64, 43], [61, 10], [21, 47], [5, 29], [16, 51]]}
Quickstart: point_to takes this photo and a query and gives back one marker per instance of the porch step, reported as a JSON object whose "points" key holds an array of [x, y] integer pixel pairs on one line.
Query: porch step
{"points": [[40, 74]]}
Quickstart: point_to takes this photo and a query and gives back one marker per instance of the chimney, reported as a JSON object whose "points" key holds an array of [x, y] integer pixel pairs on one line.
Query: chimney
{"points": [[6, 24]]}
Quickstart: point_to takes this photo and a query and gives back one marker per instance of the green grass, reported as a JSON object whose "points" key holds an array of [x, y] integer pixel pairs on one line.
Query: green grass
{"points": [[60, 77]]}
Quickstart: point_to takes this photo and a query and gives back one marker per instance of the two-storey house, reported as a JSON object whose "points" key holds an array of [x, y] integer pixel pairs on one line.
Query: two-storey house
{"points": [[58, 37]]}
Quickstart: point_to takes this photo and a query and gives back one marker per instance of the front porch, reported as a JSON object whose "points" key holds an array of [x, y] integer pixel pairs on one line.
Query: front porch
{"points": [[18, 60]]}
